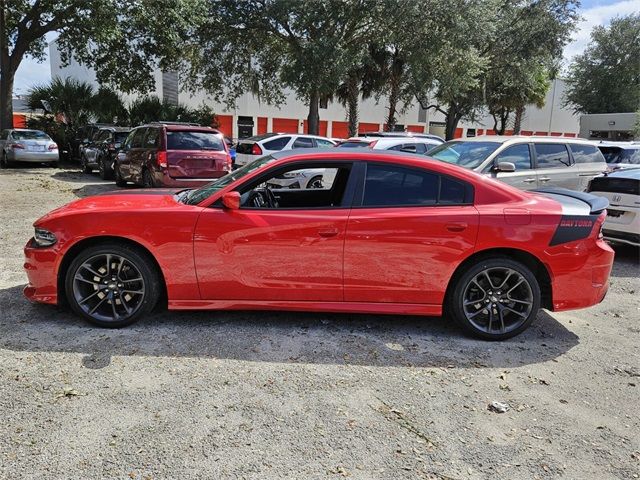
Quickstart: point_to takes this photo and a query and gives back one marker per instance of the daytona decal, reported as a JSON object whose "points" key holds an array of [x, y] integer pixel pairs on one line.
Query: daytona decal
{"points": [[573, 227]]}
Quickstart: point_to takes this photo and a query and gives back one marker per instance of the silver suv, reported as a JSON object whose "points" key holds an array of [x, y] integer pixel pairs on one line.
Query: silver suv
{"points": [[527, 162]]}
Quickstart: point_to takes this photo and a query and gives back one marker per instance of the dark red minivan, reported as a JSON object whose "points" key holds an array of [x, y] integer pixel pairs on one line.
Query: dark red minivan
{"points": [[172, 155]]}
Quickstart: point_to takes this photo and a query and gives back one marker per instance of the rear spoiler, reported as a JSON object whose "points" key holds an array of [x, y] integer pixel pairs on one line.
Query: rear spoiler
{"points": [[596, 204]]}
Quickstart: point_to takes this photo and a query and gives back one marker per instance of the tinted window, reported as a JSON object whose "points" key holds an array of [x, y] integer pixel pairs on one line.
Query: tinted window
{"points": [[120, 137], [189, 140], [277, 144], [29, 135], [151, 139], [421, 148], [392, 185], [136, 141], [621, 155], [324, 143], [452, 192], [303, 142], [586, 154], [465, 154], [552, 156], [103, 136], [353, 144], [519, 155]]}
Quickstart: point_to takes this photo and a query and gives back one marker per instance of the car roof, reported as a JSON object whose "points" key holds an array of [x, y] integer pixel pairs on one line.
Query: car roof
{"points": [[523, 139], [180, 127], [392, 141], [400, 135], [622, 145]]}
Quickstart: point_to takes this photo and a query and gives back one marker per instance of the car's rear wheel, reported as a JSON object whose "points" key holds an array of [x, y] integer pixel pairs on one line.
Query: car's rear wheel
{"points": [[495, 299], [147, 179], [121, 182], [85, 165], [112, 285]]}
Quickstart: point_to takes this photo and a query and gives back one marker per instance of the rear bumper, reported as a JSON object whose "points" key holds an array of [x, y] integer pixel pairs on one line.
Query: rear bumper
{"points": [[33, 157], [40, 266], [162, 178], [584, 279]]}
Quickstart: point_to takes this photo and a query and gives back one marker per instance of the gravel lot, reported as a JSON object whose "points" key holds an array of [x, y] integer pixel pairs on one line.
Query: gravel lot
{"points": [[293, 395]]}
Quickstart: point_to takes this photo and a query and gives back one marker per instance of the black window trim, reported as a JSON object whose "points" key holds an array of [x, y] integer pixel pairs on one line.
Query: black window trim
{"points": [[347, 196], [469, 193]]}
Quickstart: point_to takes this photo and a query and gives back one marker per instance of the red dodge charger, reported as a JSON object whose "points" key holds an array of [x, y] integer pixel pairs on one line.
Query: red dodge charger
{"points": [[384, 232]]}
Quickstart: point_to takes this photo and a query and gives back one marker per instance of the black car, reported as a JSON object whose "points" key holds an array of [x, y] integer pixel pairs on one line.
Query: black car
{"points": [[101, 151]]}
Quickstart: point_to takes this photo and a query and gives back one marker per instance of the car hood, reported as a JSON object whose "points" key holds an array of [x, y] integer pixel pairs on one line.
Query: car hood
{"points": [[117, 201]]}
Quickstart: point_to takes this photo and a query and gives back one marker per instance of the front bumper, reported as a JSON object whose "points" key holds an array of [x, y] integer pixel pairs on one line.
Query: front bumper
{"points": [[40, 266]]}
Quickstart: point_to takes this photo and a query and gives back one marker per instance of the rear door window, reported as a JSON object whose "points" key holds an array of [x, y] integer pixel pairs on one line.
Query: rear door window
{"points": [[322, 143], [549, 155], [303, 142], [277, 143], [193, 140], [519, 155], [586, 154]]}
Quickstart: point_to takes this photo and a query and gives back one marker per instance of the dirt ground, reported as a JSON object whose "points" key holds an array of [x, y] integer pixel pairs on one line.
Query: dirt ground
{"points": [[301, 396]]}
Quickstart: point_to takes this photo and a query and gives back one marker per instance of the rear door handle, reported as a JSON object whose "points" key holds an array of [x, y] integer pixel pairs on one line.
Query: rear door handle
{"points": [[328, 232], [456, 227], [529, 180], [544, 179]]}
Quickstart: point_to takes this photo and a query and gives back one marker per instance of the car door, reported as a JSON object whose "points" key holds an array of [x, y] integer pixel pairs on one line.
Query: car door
{"points": [[554, 166], [590, 162], [129, 151], [407, 231], [524, 177], [137, 157], [291, 253]]}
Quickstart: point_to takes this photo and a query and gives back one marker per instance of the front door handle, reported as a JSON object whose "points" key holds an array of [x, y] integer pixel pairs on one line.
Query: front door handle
{"points": [[529, 180], [328, 232], [456, 227]]}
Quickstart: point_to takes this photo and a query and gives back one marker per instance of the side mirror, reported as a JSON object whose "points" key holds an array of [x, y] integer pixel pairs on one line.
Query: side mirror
{"points": [[231, 200], [504, 167]]}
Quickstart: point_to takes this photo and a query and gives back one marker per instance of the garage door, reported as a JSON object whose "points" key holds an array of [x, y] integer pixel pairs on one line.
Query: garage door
{"points": [[285, 125]]}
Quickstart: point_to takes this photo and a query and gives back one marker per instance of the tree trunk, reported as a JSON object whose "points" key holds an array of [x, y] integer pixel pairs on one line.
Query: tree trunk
{"points": [[7, 75], [352, 106], [313, 120], [394, 93], [517, 121], [452, 119]]}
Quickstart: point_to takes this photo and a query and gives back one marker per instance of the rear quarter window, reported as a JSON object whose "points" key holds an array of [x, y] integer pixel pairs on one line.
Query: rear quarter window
{"points": [[586, 154], [552, 155], [277, 144]]}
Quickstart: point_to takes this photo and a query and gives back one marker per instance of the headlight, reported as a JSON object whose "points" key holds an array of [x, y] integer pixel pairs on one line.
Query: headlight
{"points": [[44, 238], [291, 174]]}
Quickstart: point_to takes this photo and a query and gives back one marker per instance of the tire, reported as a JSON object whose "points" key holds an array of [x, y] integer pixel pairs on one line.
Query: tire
{"points": [[315, 182], [147, 179], [93, 293], [85, 165], [502, 298], [104, 168], [121, 182], [4, 161]]}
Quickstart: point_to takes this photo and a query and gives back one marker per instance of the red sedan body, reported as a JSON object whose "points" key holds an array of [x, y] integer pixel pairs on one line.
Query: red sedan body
{"points": [[387, 259]]}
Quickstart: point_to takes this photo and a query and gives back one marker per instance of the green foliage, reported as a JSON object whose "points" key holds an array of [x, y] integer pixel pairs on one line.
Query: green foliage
{"points": [[606, 77], [151, 109]]}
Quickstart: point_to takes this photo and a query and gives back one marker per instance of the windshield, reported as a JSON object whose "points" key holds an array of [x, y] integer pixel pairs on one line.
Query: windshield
{"points": [[353, 145], [193, 140], [29, 135], [464, 154], [196, 196]]}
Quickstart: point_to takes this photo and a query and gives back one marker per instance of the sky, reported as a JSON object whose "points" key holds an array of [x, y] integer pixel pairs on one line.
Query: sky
{"points": [[593, 12]]}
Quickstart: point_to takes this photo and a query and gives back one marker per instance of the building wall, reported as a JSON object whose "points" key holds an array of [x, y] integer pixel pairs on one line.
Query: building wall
{"points": [[291, 116]]}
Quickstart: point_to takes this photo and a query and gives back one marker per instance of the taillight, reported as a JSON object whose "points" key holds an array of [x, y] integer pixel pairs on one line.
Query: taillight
{"points": [[53, 146], [372, 144], [229, 162], [256, 150], [16, 146], [161, 158]]}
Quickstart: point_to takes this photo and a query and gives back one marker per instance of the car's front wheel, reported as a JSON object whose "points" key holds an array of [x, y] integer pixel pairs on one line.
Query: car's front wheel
{"points": [[112, 284], [104, 168], [121, 182], [496, 298], [84, 163]]}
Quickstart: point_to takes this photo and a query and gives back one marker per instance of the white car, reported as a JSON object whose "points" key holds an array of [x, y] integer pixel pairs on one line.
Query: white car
{"points": [[249, 149], [622, 189], [419, 145], [25, 145]]}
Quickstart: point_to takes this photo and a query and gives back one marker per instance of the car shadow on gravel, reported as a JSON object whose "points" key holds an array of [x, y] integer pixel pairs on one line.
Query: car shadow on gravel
{"points": [[282, 337]]}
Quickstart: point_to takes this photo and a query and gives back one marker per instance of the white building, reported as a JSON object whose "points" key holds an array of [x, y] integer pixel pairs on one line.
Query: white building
{"points": [[251, 117]]}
